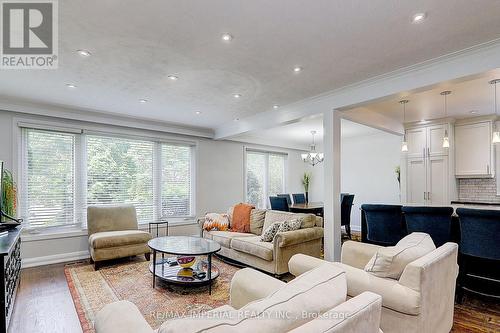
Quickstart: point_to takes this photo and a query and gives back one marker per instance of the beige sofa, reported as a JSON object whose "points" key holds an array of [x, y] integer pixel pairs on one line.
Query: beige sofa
{"points": [[313, 302], [422, 300], [271, 257], [113, 233]]}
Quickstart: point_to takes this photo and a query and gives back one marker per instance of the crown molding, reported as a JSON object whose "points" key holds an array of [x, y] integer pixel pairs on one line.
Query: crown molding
{"points": [[463, 63], [92, 116]]}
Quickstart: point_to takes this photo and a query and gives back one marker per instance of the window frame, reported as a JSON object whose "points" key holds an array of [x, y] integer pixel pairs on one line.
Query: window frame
{"points": [[80, 160], [267, 153]]}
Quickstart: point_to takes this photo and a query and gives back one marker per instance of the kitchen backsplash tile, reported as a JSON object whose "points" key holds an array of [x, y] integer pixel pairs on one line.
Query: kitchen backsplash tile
{"points": [[478, 189]]}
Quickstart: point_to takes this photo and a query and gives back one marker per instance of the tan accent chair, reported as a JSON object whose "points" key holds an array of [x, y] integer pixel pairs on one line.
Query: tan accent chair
{"points": [[309, 308], [113, 233], [422, 300]]}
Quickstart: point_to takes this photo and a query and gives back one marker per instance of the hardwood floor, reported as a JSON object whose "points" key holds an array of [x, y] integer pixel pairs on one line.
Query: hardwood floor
{"points": [[44, 305]]}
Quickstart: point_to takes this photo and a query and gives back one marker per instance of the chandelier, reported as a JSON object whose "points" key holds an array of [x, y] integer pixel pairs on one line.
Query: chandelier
{"points": [[313, 157]]}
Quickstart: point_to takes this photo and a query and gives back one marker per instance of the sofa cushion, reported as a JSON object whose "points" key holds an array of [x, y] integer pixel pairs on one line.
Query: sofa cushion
{"points": [[290, 225], [272, 216], [271, 231], [253, 246], [316, 291], [257, 217], [390, 262], [395, 296], [108, 239], [214, 221], [224, 238]]}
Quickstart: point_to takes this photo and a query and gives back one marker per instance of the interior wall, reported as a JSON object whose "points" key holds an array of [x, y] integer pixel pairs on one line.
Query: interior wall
{"points": [[368, 166], [219, 184]]}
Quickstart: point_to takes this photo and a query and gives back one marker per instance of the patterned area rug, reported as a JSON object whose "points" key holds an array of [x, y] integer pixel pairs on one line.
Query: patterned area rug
{"points": [[131, 280]]}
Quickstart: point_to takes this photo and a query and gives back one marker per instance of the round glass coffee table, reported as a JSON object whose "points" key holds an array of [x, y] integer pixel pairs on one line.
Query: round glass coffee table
{"points": [[171, 271]]}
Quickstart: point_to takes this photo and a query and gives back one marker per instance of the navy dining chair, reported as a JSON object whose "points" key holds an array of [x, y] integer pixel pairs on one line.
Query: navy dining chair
{"points": [[479, 251], [287, 196], [299, 198], [345, 212], [435, 221], [279, 203], [382, 224]]}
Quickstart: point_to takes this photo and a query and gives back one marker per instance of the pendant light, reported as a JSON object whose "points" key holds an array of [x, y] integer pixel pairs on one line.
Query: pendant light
{"points": [[404, 145], [446, 139], [496, 133]]}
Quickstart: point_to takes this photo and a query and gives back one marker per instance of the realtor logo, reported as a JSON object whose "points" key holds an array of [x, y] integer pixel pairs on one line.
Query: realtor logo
{"points": [[29, 34]]}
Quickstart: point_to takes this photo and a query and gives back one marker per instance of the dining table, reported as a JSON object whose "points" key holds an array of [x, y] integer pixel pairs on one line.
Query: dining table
{"points": [[308, 207]]}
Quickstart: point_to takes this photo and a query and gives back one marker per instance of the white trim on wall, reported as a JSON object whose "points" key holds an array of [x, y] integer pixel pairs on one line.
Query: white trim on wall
{"points": [[54, 259]]}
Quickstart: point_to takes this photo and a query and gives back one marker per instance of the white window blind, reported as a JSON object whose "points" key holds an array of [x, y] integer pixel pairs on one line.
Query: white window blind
{"points": [[265, 176], [120, 171], [176, 180], [48, 191], [63, 173]]}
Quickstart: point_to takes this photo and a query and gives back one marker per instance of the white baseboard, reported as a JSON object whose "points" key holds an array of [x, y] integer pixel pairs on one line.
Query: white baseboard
{"points": [[54, 259]]}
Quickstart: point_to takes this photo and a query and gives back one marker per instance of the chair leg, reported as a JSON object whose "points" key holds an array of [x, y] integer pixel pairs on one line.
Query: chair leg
{"points": [[96, 266], [91, 260], [348, 230], [147, 256], [462, 273]]}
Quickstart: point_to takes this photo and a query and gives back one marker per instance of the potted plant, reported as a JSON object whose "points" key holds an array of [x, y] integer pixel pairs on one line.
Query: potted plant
{"points": [[9, 195], [306, 180]]}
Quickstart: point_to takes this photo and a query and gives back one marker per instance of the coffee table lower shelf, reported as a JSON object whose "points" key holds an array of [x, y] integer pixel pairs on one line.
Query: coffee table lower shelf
{"points": [[182, 276]]}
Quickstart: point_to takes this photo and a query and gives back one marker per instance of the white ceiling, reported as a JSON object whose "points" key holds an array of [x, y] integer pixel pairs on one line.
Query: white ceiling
{"points": [[135, 45], [470, 94], [298, 135]]}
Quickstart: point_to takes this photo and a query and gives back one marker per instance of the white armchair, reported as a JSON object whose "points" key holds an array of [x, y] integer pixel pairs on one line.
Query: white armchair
{"points": [[422, 300]]}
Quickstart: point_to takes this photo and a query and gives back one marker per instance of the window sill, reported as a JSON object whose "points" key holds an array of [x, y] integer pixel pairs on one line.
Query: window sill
{"points": [[33, 235]]}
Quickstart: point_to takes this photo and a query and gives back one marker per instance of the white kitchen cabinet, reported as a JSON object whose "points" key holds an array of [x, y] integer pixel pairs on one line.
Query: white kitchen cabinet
{"points": [[416, 181], [427, 180], [426, 140], [437, 180], [474, 154], [428, 168]]}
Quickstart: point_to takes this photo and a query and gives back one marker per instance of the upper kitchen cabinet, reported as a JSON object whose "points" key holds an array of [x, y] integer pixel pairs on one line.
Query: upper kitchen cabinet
{"points": [[474, 154], [426, 140]]}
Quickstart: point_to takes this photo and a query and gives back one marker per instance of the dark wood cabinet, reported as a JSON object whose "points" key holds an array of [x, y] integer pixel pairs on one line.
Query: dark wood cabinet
{"points": [[10, 257]]}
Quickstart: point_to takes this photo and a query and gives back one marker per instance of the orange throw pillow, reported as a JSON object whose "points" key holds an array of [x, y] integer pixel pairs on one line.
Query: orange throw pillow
{"points": [[241, 218]]}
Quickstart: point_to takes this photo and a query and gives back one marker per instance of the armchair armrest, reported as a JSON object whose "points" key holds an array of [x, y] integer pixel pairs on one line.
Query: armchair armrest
{"points": [[249, 285], [288, 238], [121, 317], [301, 263], [357, 254]]}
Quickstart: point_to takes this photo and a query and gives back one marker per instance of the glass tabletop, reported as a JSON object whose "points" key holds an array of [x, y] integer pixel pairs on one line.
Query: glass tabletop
{"points": [[184, 245]]}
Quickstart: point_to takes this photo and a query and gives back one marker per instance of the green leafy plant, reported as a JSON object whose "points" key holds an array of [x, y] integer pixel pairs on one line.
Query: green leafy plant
{"points": [[9, 195], [306, 180]]}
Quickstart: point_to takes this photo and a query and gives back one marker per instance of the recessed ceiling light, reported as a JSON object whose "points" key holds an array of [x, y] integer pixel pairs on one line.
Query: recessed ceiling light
{"points": [[276, 106], [297, 69], [227, 37], [198, 112], [71, 85], [84, 53], [173, 77], [236, 119], [143, 100], [419, 17], [237, 95]]}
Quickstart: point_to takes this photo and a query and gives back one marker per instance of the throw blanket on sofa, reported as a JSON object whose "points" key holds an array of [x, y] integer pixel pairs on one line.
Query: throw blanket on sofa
{"points": [[241, 218]]}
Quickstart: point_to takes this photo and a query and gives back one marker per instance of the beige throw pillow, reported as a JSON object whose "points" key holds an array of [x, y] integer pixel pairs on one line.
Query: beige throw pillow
{"points": [[390, 262]]}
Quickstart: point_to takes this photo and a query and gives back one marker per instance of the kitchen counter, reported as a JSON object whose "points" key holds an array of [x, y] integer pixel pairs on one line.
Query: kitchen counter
{"points": [[475, 203]]}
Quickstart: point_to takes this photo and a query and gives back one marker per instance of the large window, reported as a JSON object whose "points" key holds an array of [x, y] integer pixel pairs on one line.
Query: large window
{"points": [[63, 173], [265, 176], [49, 178]]}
